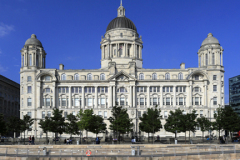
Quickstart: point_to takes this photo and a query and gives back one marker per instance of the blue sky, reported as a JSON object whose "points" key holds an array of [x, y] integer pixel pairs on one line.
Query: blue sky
{"points": [[71, 30]]}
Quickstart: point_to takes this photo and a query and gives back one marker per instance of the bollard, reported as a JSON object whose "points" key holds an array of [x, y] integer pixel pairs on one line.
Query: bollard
{"points": [[77, 142], [175, 141], [44, 151], [133, 152]]}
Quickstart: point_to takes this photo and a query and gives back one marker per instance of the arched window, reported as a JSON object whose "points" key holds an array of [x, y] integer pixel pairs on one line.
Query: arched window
{"points": [[63, 77], [47, 90], [102, 76], [121, 89], [167, 76], [76, 77], [47, 78], [30, 60], [154, 76], [213, 59], [141, 76], [89, 76], [206, 59], [180, 76], [196, 77]]}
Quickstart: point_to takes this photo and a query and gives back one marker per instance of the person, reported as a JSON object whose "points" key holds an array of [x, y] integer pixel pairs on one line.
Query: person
{"points": [[33, 139], [30, 140], [65, 141], [97, 140], [70, 141]]}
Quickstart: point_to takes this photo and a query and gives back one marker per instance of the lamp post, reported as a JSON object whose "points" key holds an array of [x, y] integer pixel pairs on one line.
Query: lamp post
{"points": [[136, 122], [210, 118]]}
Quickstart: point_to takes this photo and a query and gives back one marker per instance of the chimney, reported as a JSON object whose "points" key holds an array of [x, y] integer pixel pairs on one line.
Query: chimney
{"points": [[61, 67], [182, 66]]}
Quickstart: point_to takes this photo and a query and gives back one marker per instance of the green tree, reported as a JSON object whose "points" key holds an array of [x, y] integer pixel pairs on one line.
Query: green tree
{"points": [[120, 121], [218, 124], [71, 125], [3, 126], [151, 121], [204, 124], [174, 122], [14, 124], [45, 125], [57, 123], [25, 124], [98, 125], [230, 120], [189, 123]]}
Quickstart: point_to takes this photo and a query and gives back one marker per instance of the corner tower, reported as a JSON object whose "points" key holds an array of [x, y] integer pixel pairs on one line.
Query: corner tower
{"points": [[121, 43]]}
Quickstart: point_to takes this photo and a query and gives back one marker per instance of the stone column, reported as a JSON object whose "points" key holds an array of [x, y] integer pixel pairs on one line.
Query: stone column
{"points": [[110, 96], [161, 96], [114, 95], [124, 49], [148, 96], [54, 95], [174, 95], [96, 97], [108, 51], [70, 97], [83, 98], [130, 96], [205, 93], [134, 96], [102, 49], [222, 58], [111, 51], [134, 52], [190, 93], [198, 61]]}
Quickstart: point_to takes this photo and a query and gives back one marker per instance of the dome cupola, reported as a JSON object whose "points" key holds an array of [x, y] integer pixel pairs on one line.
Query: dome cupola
{"points": [[210, 40], [33, 41]]}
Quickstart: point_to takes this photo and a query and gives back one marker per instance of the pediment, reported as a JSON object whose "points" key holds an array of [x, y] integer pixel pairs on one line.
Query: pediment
{"points": [[122, 76]]}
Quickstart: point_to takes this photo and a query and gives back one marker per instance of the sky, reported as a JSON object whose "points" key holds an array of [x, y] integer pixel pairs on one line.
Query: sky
{"points": [[70, 31]]}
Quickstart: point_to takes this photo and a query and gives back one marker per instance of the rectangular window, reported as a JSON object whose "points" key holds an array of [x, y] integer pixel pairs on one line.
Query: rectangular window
{"points": [[29, 89], [89, 101], [63, 101], [47, 90], [196, 77], [165, 114], [139, 114], [201, 113], [105, 114], [180, 101], [141, 101], [196, 89], [171, 89], [43, 114], [65, 114], [47, 101], [214, 88], [184, 89], [76, 89], [49, 113], [80, 89], [122, 100], [72, 89], [67, 90], [76, 101], [196, 100], [102, 101], [215, 101], [214, 77], [163, 89], [106, 89], [29, 101], [150, 101], [29, 114], [100, 113], [29, 78], [154, 101], [59, 90], [168, 101]]}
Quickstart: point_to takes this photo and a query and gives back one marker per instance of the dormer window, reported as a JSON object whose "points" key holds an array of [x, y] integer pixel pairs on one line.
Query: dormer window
{"points": [[121, 35], [120, 12]]}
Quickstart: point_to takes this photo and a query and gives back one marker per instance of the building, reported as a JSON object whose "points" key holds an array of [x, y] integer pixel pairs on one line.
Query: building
{"points": [[121, 80], [9, 98], [234, 93]]}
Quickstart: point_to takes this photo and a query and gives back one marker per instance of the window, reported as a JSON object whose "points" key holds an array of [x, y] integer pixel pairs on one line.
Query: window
{"points": [[196, 77], [141, 76], [29, 114], [47, 90], [122, 89], [214, 88], [201, 113], [196, 100], [181, 89], [168, 101], [165, 114], [89, 76], [167, 89], [214, 77], [154, 101], [29, 89], [89, 101], [180, 101], [206, 59], [105, 114], [65, 114], [47, 101], [76, 77], [154, 89], [30, 60], [114, 52], [121, 33], [196, 89], [141, 89], [47, 78], [102, 101], [63, 101], [63, 77], [167, 76], [213, 59], [215, 101], [122, 100], [29, 101], [154, 76], [141, 101], [43, 114], [29, 78], [100, 113], [180, 76], [102, 76], [76, 101], [49, 113]]}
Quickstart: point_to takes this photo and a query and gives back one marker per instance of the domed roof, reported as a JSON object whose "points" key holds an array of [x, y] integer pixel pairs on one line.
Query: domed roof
{"points": [[121, 22], [33, 41], [210, 40]]}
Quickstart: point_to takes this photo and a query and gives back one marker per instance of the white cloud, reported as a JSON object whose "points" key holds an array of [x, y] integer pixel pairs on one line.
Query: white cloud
{"points": [[2, 69], [5, 29]]}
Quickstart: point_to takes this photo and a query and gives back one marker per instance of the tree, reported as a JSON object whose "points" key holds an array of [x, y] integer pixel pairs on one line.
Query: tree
{"points": [[189, 123], [230, 120], [14, 124], [26, 123], [204, 124], [98, 126], [45, 125], [150, 121], [219, 120], [57, 124], [120, 121], [71, 125], [3, 126], [173, 122]]}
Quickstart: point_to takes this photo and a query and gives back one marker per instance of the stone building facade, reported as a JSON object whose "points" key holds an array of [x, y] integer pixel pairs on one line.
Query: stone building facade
{"points": [[121, 80], [9, 98]]}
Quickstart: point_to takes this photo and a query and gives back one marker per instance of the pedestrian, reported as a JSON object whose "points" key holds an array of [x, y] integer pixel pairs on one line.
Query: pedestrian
{"points": [[30, 140], [97, 140], [65, 141], [33, 139]]}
